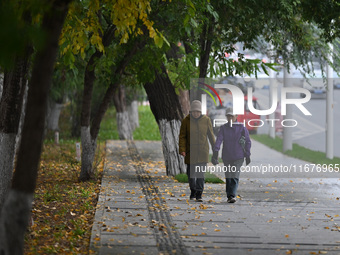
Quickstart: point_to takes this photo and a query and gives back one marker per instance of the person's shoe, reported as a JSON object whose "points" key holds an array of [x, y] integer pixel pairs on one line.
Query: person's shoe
{"points": [[231, 200], [193, 195], [199, 196]]}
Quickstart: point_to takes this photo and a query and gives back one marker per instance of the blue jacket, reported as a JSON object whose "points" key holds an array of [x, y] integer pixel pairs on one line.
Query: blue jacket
{"points": [[230, 136]]}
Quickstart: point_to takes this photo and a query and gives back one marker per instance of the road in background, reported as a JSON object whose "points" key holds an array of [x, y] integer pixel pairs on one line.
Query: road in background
{"points": [[311, 130]]}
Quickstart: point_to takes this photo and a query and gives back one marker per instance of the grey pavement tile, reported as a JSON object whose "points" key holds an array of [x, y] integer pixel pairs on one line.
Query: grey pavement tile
{"points": [[128, 239], [128, 250], [256, 251]]}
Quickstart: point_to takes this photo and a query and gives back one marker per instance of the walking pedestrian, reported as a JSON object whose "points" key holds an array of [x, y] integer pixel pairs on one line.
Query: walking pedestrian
{"points": [[236, 146], [195, 131]]}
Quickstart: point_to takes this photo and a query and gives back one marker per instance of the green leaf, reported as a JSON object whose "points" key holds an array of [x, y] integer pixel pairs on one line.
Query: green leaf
{"points": [[158, 41], [165, 40], [264, 69], [192, 5], [193, 22]]}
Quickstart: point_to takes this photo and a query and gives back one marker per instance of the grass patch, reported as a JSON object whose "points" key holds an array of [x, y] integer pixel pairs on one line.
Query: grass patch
{"points": [[147, 130], [298, 151], [148, 127], [181, 178], [108, 127], [63, 208], [209, 178]]}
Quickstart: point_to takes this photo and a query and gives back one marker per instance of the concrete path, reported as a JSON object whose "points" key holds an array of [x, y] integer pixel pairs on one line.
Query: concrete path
{"points": [[142, 211]]}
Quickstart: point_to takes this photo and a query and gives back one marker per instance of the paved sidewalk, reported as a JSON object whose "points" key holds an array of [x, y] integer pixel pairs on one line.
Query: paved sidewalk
{"points": [[142, 211]]}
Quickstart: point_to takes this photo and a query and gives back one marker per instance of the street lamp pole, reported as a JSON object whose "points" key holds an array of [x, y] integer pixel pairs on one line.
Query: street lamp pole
{"points": [[271, 87], [329, 108], [287, 131]]}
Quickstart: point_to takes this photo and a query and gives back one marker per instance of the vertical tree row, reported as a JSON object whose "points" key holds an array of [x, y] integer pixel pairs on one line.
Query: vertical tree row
{"points": [[17, 207]]}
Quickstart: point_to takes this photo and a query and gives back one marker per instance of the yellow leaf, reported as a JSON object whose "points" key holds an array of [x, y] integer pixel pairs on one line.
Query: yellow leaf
{"points": [[202, 206], [217, 230], [286, 236]]}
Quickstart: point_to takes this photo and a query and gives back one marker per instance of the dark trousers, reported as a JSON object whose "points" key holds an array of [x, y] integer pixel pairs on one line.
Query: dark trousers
{"points": [[195, 178], [232, 176]]}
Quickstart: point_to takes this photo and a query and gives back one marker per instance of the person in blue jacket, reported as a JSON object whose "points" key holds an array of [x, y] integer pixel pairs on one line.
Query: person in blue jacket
{"points": [[236, 147]]}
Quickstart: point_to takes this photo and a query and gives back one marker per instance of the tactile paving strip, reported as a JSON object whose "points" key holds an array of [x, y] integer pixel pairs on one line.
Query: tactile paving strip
{"points": [[167, 237]]}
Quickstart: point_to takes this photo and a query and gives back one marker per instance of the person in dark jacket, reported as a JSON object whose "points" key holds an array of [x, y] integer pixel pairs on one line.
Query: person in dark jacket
{"points": [[235, 149], [195, 131]]}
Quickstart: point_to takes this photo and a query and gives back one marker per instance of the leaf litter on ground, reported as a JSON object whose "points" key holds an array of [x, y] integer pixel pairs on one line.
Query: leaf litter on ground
{"points": [[63, 208]]}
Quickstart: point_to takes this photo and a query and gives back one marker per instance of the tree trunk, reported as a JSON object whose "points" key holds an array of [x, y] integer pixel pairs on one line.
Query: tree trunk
{"points": [[1, 84], [90, 78], [88, 145], [123, 126], [173, 53], [133, 115], [205, 48], [169, 132], [167, 110], [21, 122], [122, 116], [88, 139], [53, 114], [89, 136], [87, 154], [10, 112], [185, 101], [17, 207], [7, 152], [14, 220]]}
